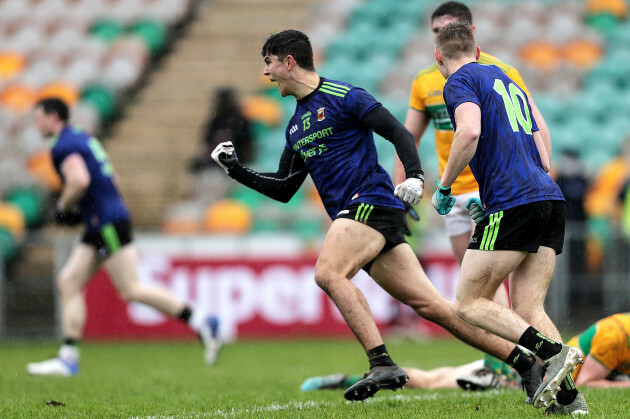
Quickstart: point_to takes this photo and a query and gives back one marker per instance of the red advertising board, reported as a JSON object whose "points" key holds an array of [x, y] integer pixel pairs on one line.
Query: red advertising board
{"points": [[255, 298]]}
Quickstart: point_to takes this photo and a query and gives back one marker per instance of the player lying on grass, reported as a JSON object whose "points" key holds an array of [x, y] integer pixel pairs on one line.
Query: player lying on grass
{"points": [[606, 347], [472, 376]]}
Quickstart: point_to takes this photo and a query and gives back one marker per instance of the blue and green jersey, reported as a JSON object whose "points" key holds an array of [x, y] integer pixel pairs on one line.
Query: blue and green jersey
{"points": [[339, 153], [506, 164], [101, 204]]}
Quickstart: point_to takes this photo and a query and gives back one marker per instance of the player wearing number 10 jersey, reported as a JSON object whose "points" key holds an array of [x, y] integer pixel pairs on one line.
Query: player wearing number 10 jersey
{"points": [[496, 134], [89, 184], [506, 141]]}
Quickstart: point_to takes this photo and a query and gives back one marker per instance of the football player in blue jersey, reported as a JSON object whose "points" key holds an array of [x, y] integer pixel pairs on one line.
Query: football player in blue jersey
{"points": [[90, 195], [330, 138], [520, 214]]}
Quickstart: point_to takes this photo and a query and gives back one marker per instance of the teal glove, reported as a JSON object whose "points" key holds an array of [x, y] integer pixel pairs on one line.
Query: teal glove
{"points": [[475, 209], [442, 200]]}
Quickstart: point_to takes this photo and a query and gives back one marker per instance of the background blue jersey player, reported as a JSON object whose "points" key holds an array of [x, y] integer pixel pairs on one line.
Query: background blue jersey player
{"points": [[520, 218], [330, 137], [90, 195]]}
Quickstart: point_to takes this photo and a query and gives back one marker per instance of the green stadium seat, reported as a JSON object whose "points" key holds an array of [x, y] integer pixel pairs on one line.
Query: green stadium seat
{"points": [[103, 98], [264, 225], [30, 203], [8, 245], [604, 22], [107, 30], [247, 196], [307, 230], [153, 33]]}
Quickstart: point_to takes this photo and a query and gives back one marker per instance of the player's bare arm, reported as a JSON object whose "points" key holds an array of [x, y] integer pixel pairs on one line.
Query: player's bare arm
{"points": [[593, 374], [77, 180], [468, 121], [542, 125], [542, 151]]}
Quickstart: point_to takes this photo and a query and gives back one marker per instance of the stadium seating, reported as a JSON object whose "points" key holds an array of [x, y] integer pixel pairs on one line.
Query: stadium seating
{"points": [[92, 54]]}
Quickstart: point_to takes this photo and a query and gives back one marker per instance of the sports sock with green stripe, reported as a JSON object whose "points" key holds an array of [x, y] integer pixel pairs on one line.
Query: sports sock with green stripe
{"points": [[379, 357], [539, 344], [568, 391]]}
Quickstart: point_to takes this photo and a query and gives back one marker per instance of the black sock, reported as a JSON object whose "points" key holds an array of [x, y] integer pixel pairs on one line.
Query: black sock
{"points": [[70, 341], [520, 360], [379, 357], [568, 392], [539, 344], [185, 315]]}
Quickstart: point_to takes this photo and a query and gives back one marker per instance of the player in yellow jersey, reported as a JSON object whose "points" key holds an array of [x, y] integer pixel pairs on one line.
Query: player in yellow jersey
{"points": [[426, 104], [606, 348]]}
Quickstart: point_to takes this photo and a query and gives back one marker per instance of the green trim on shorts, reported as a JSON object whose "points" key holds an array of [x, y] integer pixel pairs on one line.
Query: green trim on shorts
{"points": [[363, 212], [491, 231], [110, 237]]}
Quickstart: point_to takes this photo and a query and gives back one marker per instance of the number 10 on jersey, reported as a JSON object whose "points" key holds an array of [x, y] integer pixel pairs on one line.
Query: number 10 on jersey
{"points": [[512, 106]]}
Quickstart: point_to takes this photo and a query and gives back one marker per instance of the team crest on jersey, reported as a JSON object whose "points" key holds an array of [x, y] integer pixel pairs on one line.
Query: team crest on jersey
{"points": [[320, 114]]}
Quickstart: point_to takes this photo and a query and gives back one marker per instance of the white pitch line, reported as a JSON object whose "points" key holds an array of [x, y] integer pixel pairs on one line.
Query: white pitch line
{"points": [[312, 404]]}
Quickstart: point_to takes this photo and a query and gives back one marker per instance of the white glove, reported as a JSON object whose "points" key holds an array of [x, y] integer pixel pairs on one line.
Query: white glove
{"points": [[410, 191], [223, 150]]}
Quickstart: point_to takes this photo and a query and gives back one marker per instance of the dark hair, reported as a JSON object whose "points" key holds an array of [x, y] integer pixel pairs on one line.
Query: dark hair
{"points": [[455, 39], [290, 42], [453, 8], [54, 105]]}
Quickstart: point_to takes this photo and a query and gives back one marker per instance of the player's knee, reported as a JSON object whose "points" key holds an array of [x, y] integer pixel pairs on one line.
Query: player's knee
{"points": [[526, 311], [128, 294], [66, 284], [462, 309], [429, 310], [324, 279]]}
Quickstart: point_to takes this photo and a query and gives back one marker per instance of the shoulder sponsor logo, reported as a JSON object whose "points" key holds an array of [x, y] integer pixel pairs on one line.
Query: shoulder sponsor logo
{"points": [[306, 115], [293, 129], [435, 92], [321, 114]]}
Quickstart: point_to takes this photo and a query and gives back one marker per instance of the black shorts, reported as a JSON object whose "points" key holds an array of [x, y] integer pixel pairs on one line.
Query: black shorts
{"points": [[522, 228], [387, 221], [109, 238]]}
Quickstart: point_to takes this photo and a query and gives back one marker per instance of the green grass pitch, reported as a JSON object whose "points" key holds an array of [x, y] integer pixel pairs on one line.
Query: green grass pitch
{"points": [[253, 379]]}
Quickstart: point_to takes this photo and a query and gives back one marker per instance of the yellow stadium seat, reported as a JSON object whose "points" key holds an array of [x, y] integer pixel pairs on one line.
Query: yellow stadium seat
{"points": [[11, 64], [65, 91], [541, 55], [262, 109], [582, 53], [228, 216], [12, 218], [618, 8], [40, 165], [18, 98]]}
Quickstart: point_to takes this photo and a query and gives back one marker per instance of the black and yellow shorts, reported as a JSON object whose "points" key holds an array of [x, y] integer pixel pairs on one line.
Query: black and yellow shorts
{"points": [[109, 238], [522, 228], [387, 221]]}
